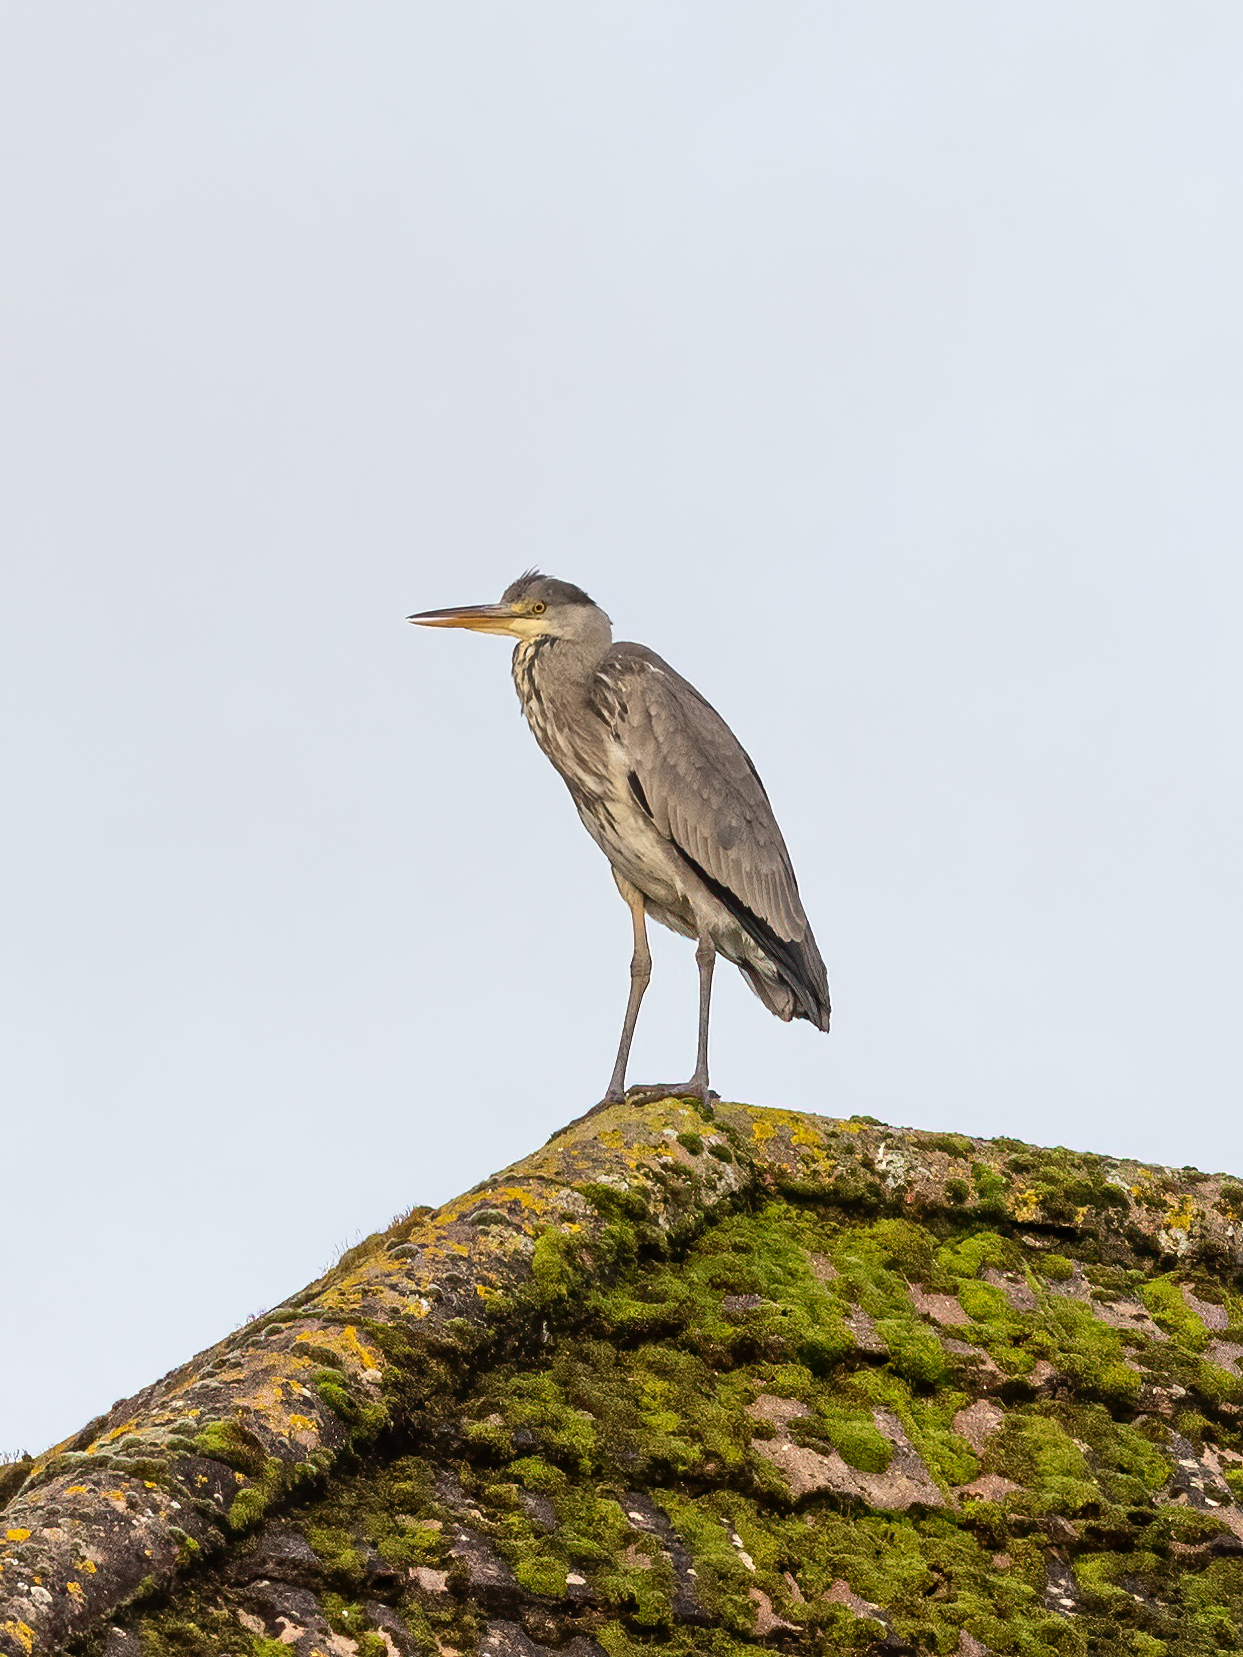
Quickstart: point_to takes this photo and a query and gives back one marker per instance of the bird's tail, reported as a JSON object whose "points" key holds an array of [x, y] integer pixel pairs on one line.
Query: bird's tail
{"points": [[807, 1000]]}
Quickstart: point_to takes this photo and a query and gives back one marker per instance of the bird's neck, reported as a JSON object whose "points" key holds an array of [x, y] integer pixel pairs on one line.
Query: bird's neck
{"points": [[553, 678]]}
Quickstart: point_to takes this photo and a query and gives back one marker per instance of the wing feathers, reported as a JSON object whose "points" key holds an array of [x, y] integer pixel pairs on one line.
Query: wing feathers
{"points": [[692, 777]]}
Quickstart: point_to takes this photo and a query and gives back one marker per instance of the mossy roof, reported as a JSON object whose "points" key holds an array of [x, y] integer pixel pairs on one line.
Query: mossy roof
{"points": [[691, 1380]]}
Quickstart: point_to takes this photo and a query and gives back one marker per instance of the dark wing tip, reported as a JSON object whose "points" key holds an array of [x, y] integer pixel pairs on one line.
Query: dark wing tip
{"points": [[817, 1014]]}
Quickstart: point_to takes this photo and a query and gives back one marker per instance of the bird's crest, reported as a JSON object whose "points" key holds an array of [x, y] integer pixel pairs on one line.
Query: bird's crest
{"points": [[551, 590]]}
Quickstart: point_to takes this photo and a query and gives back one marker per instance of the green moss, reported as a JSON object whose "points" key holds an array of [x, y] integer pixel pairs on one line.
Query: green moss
{"points": [[860, 1444], [234, 1444], [910, 1247], [346, 1616], [985, 1303], [1163, 1297], [915, 1352], [337, 1547], [968, 1256], [991, 1189], [949, 1144], [261, 1647], [554, 1265], [619, 1641], [1036, 1452], [364, 1418], [1056, 1267], [542, 1573]]}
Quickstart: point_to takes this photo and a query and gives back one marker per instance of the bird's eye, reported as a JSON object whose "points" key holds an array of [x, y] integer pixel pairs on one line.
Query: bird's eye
{"points": [[538, 608]]}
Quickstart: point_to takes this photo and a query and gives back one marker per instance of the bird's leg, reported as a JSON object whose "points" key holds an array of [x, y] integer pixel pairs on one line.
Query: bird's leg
{"points": [[697, 1087], [640, 975], [705, 959]]}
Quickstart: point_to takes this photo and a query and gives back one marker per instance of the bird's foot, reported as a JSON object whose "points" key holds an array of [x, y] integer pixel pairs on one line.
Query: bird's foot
{"points": [[672, 1090], [645, 1096]]}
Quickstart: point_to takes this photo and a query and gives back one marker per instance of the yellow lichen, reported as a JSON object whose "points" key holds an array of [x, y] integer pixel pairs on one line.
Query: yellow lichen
{"points": [[368, 1358], [528, 1199], [1025, 1203], [22, 1633], [1181, 1216], [16, 1535]]}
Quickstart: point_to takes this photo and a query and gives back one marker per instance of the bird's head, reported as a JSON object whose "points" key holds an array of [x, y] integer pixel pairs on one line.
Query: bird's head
{"points": [[535, 606]]}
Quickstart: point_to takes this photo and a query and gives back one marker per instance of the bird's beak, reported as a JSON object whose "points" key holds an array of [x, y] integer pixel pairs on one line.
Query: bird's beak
{"points": [[479, 618]]}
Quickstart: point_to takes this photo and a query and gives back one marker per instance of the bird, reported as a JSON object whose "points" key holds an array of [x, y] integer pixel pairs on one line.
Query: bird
{"points": [[668, 793]]}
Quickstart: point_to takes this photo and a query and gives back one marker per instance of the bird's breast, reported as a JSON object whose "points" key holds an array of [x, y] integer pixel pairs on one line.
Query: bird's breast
{"points": [[561, 717], [594, 766]]}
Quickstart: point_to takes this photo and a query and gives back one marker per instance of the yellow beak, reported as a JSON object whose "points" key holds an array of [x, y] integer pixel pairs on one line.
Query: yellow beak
{"points": [[479, 618]]}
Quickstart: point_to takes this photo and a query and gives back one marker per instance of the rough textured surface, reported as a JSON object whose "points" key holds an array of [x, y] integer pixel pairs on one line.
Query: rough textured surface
{"points": [[687, 1381]]}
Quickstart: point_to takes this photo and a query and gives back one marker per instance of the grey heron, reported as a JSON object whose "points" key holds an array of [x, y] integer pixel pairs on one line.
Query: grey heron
{"points": [[665, 789]]}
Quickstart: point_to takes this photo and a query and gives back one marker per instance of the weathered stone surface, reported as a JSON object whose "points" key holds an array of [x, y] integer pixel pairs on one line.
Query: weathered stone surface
{"points": [[1061, 1594], [903, 1483], [865, 1333], [942, 1309], [687, 1378], [488, 1578], [276, 1553], [506, 1639], [841, 1593], [978, 1422], [393, 1629], [968, 1646], [294, 1616]]}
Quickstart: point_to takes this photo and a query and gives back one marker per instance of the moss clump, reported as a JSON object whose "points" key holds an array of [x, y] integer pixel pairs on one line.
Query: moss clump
{"points": [[1035, 1451], [1056, 1267], [1163, 1297], [859, 1443], [233, 1443], [949, 1144], [339, 1549]]}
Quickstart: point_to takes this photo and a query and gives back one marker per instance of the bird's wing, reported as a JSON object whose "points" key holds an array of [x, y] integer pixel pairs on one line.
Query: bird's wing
{"points": [[692, 776]]}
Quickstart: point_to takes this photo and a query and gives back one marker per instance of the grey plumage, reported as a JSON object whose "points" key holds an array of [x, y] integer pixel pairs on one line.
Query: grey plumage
{"points": [[668, 793]]}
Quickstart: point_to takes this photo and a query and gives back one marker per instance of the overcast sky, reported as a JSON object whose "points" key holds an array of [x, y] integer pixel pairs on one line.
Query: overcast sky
{"points": [[878, 364]]}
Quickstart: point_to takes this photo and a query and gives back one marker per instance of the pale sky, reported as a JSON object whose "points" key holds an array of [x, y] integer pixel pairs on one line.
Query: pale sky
{"points": [[877, 364]]}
